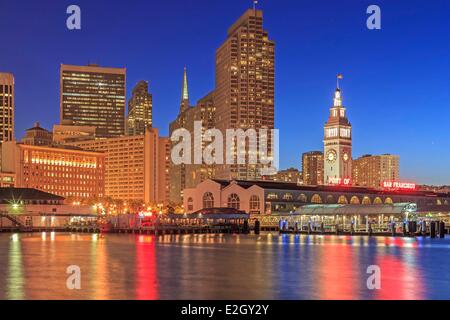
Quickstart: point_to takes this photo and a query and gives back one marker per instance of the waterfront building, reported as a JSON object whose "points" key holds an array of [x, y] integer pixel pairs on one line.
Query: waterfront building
{"points": [[372, 170], [62, 171], [6, 107], [38, 136], [338, 143], [269, 197], [312, 167], [245, 87], [136, 167], [189, 175], [67, 132], [94, 96], [26, 208], [139, 110]]}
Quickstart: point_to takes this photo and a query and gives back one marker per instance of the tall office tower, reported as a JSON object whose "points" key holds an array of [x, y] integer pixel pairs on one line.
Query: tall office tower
{"points": [[94, 96], [178, 171], [245, 82], [139, 110], [312, 168], [338, 143], [6, 107], [189, 175], [372, 171]]}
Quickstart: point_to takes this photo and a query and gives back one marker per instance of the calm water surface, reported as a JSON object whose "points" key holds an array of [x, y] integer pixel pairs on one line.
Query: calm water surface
{"points": [[268, 266]]}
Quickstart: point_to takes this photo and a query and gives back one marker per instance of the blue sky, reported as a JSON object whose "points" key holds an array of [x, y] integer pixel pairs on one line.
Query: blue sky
{"points": [[396, 83]]}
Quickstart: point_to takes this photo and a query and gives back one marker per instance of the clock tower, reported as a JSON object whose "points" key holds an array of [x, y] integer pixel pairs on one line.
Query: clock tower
{"points": [[338, 143]]}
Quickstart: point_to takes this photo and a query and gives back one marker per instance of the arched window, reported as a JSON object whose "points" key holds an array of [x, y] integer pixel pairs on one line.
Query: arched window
{"points": [[208, 200], [287, 196], [302, 198], [316, 199], [366, 200], [438, 202], [342, 200], [233, 201], [388, 201], [354, 200], [377, 200], [445, 202], [254, 203], [330, 199], [190, 204], [272, 196]]}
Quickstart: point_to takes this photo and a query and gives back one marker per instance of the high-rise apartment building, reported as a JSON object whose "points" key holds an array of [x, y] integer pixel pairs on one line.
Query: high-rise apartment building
{"points": [[139, 110], [64, 171], [371, 171], [312, 168], [135, 168], [244, 90], [6, 107], [94, 96]]}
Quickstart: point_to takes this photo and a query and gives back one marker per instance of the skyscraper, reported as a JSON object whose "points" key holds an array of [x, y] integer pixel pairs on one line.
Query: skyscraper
{"points": [[312, 168], [178, 171], [94, 96], [6, 107], [245, 82], [371, 171], [189, 175], [338, 143], [139, 110]]}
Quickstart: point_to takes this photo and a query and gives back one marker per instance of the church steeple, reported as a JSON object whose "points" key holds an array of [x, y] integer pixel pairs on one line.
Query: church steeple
{"points": [[185, 93]]}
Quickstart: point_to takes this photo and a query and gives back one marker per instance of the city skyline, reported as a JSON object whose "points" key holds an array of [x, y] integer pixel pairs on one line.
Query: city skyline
{"points": [[298, 94]]}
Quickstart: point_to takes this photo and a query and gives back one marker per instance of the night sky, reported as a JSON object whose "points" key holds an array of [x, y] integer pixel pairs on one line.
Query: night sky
{"points": [[396, 82]]}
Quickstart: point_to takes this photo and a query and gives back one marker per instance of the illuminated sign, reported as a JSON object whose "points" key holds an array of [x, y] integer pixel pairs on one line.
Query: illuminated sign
{"points": [[398, 185], [340, 181]]}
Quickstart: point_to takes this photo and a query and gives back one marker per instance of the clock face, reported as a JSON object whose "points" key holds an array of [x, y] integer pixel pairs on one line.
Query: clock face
{"points": [[331, 155], [345, 157]]}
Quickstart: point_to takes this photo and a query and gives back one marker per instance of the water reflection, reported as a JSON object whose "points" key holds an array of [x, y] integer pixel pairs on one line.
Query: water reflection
{"points": [[266, 266]]}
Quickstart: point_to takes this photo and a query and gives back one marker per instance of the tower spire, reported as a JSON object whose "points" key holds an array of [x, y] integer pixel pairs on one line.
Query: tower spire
{"points": [[337, 93], [185, 93], [185, 86]]}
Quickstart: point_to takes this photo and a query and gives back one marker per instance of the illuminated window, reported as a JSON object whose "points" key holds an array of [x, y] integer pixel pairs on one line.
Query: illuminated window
{"points": [[254, 203], [316, 199], [208, 200], [354, 200], [366, 200], [377, 200], [190, 203], [233, 201], [342, 200], [287, 196], [388, 201]]}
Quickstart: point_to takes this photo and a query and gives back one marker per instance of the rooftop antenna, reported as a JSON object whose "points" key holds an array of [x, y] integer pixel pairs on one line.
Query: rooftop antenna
{"points": [[255, 2]]}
